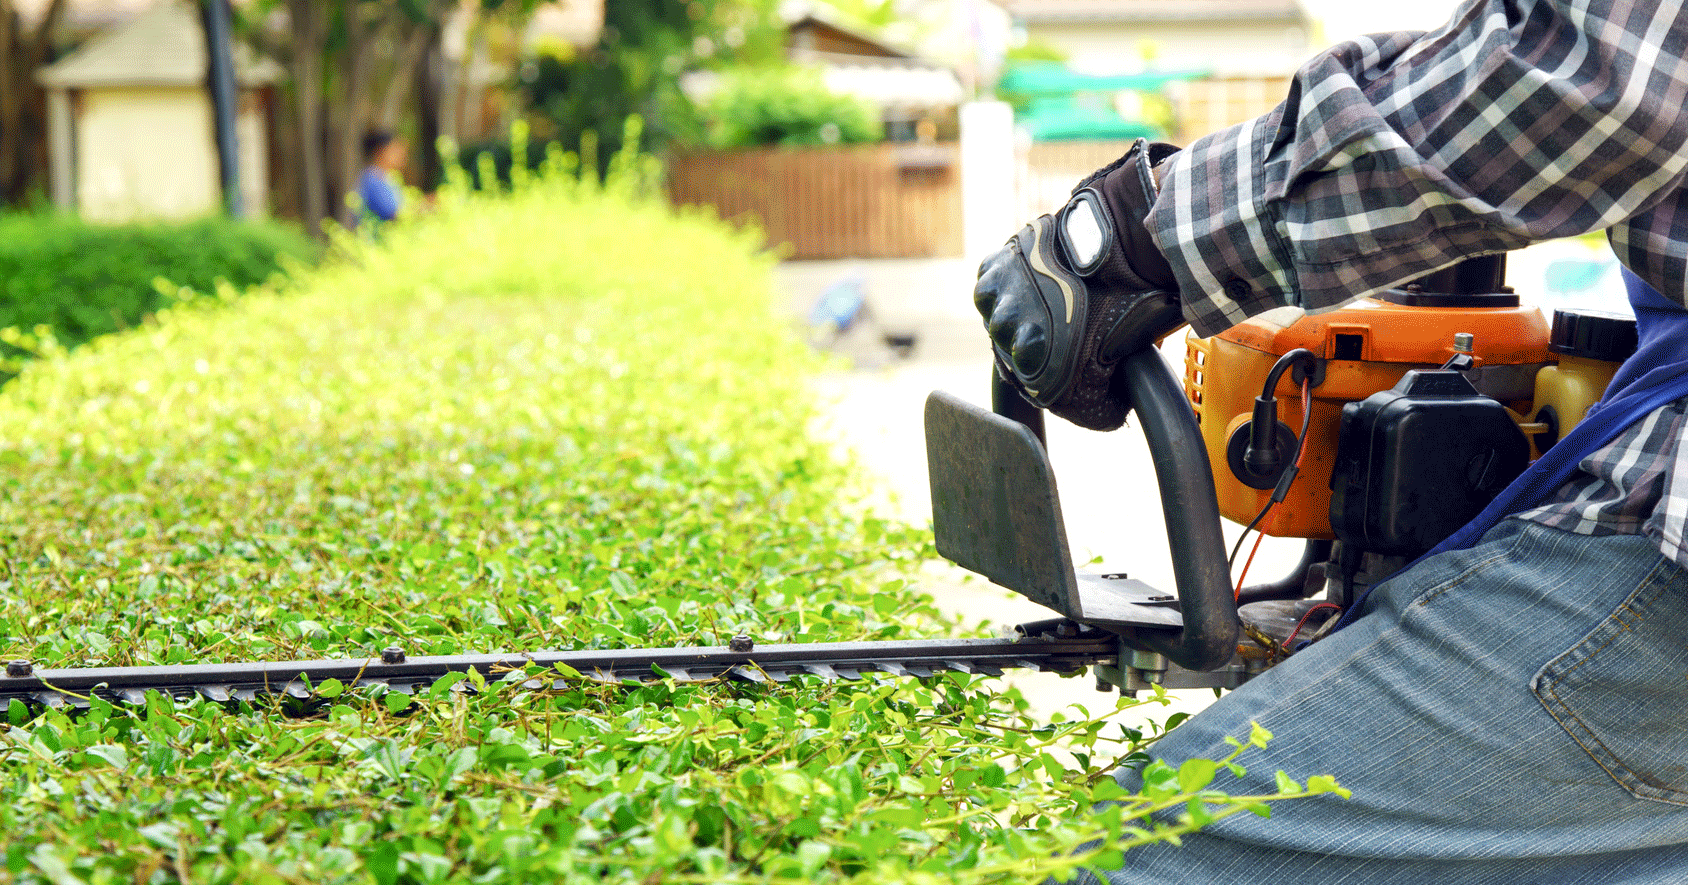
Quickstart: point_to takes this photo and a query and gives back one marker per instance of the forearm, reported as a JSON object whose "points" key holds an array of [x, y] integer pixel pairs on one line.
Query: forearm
{"points": [[1392, 157]]}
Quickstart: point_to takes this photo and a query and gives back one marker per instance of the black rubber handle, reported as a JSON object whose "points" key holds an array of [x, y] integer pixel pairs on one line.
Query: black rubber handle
{"points": [[1190, 506], [1007, 402]]}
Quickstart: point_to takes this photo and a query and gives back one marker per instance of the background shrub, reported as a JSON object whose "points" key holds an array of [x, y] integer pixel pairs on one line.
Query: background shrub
{"points": [[786, 106], [84, 280]]}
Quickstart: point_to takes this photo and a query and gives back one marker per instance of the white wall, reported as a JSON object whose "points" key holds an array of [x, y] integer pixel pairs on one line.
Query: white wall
{"points": [[989, 203], [145, 153], [1224, 48], [254, 151]]}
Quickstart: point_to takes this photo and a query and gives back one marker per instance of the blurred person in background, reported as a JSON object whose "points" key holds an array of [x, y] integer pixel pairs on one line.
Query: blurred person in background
{"points": [[379, 195]]}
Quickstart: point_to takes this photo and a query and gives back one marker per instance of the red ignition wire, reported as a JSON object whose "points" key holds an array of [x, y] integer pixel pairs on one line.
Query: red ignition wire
{"points": [[1303, 622]]}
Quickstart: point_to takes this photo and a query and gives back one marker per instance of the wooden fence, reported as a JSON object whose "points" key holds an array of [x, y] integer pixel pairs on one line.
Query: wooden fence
{"points": [[1209, 105], [871, 201]]}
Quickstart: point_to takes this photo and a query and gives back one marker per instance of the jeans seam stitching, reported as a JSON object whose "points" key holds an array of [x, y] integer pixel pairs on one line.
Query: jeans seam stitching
{"points": [[1469, 572]]}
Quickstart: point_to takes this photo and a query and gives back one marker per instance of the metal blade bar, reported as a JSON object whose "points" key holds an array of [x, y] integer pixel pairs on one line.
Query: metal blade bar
{"points": [[396, 672]]}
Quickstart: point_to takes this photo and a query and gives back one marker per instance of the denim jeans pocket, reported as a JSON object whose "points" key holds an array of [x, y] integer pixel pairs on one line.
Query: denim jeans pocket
{"points": [[1622, 692]]}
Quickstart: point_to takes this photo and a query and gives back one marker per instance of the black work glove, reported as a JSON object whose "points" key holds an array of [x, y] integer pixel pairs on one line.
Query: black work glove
{"points": [[1074, 293]]}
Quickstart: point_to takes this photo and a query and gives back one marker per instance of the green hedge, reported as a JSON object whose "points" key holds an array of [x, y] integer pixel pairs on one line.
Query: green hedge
{"points": [[559, 419], [84, 280]]}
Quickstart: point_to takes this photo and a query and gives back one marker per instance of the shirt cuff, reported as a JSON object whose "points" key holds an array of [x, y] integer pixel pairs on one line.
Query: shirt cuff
{"points": [[1211, 223]]}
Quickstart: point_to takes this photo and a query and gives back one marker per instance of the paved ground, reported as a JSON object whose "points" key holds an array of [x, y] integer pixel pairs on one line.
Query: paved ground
{"points": [[1109, 499]]}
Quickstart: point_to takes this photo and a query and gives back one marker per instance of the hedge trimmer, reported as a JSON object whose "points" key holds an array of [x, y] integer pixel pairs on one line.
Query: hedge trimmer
{"points": [[1409, 412]]}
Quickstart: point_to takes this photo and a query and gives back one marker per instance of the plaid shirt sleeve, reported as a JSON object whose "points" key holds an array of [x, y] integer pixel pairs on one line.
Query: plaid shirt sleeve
{"points": [[1393, 156]]}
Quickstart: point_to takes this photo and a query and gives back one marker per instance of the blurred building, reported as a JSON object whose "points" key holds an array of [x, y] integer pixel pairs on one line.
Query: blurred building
{"points": [[83, 17], [905, 87], [1227, 37], [1246, 49], [130, 128]]}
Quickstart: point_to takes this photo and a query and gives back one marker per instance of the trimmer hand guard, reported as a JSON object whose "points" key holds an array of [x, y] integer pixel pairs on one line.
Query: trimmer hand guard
{"points": [[995, 511]]}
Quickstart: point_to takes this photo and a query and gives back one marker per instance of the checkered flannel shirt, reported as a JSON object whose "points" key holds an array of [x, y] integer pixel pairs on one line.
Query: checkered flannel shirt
{"points": [[1397, 155]]}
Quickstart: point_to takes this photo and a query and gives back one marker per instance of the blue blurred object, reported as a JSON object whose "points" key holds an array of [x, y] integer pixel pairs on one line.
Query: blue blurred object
{"points": [[1570, 275], [840, 306]]}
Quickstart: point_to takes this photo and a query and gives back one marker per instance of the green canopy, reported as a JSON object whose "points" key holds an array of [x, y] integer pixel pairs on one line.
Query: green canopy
{"points": [[1052, 79], [1060, 104]]}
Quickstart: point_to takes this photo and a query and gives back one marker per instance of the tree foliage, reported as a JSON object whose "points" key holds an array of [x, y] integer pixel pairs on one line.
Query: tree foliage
{"points": [[356, 65], [636, 69]]}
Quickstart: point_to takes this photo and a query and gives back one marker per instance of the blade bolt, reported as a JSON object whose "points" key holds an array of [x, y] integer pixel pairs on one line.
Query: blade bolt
{"points": [[392, 654], [741, 643], [19, 669]]}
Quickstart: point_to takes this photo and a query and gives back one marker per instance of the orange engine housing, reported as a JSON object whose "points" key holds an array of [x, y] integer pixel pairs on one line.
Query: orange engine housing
{"points": [[1366, 347]]}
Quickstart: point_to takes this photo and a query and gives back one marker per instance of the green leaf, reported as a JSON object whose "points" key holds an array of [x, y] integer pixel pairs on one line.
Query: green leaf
{"points": [[382, 862], [1196, 774], [812, 855], [1287, 784], [53, 867], [396, 702], [1160, 781], [111, 754], [1324, 783]]}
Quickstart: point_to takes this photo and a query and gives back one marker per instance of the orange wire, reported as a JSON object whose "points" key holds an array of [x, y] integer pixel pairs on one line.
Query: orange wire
{"points": [[1258, 536]]}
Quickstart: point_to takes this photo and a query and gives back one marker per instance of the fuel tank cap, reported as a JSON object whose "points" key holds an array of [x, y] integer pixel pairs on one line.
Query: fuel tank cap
{"points": [[1593, 334]]}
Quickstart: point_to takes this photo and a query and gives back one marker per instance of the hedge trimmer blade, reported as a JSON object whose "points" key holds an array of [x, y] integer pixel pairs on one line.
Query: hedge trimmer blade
{"points": [[395, 671]]}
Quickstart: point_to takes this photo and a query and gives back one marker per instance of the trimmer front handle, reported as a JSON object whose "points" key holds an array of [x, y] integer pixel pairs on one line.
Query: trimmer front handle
{"points": [[995, 511]]}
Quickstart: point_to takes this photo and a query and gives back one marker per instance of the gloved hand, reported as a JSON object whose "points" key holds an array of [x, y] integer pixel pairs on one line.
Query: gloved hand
{"points": [[1074, 293]]}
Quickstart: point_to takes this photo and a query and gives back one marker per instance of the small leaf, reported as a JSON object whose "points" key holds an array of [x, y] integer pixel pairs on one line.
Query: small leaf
{"points": [[1324, 783], [1287, 784], [1159, 780], [113, 755], [383, 864], [812, 855], [1195, 774]]}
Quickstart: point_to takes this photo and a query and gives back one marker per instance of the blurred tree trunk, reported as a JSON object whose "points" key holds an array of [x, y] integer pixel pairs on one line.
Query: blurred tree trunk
{"points": [[305, 19], [357, 65], [23, 103], [430, 83]]}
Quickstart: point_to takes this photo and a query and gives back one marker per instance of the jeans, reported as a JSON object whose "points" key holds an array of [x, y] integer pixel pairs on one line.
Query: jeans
{"points": [[1516, 712]]}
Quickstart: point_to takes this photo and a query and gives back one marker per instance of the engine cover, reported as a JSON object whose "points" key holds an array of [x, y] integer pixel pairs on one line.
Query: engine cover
{"points": [[1365, 348], [1416, 462]]}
